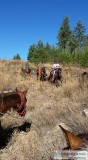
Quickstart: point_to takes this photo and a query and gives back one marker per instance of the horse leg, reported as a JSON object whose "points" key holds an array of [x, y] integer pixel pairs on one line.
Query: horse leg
{"points": [[40, 77], [57, 83], [49, 77], [43, 78]]}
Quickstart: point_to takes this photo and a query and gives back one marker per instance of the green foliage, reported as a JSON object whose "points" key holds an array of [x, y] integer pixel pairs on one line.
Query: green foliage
{"points": [[81, 57], [64, 34], [40, 44], [38, 53], [79, 33], [17, 57], [85, 58], [72, 47], [32, 52], [86, 41], [72, 44]]}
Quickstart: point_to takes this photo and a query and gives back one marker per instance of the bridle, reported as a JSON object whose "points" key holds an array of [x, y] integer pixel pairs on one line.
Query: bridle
{"points": [[21, 108]]}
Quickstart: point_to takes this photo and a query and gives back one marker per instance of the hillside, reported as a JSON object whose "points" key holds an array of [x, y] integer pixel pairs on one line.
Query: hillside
{"points": [[47, 107]]}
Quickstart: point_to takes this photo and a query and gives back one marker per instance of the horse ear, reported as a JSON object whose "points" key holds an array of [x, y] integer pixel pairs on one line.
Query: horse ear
{"points": [[73, 141], [25, 92]]}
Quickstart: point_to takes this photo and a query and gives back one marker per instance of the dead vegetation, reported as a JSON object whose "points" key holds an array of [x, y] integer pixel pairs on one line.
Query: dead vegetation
{"points": [[47, 107]]}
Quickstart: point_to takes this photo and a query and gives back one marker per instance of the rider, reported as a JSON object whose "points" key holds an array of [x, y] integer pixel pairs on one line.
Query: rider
{"points": [[43, 66], [27, 65], [55, 67]]}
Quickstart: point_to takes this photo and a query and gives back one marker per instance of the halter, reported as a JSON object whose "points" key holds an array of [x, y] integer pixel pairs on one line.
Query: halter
{"points": [[21, 108]]}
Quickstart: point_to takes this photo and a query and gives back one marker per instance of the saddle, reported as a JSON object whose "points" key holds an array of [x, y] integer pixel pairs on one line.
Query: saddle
{"points": [[54, 71]]}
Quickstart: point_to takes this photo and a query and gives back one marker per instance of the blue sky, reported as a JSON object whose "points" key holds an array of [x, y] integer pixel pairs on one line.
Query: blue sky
{"points": [[24, 22]]}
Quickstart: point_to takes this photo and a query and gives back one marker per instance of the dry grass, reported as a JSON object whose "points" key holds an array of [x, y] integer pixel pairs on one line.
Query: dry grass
{"points": [[47, 107]]}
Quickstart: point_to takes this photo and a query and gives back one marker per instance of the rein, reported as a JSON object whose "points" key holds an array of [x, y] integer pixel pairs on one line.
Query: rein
{"points": [[21, 107]]}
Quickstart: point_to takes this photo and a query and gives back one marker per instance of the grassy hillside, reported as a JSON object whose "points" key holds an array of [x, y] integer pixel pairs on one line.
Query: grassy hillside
{"points": [[47, 107]]}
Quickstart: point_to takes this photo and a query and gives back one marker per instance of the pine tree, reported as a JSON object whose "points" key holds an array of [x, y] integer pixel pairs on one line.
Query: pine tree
{"points": [[17, 56], [64, 34], [79, 33], [31, 52], [72, 43], [40, 44], [86, 41]]}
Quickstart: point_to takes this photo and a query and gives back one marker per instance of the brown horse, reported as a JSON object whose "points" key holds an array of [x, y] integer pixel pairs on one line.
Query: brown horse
{"points": [[57, 77], [43, 74], [75, 142], [37, 72], [16, 100], [27, 71]]}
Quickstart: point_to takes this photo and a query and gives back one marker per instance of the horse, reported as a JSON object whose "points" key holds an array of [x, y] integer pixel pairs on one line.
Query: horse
{"points": [[37, 72], [75, 142], [57, 76], [27, 71], [43, 74], [16, 100]]}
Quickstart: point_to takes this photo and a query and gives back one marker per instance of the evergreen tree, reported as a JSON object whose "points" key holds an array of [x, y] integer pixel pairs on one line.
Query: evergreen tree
{"points": [[64, 34], [38, 53], [32, 51], [47, 46], [79, 33], [17, 56], [72, 43], [40, 44], [86, 41]]}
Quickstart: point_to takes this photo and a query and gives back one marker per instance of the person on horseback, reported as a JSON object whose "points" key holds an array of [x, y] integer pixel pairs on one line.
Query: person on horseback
{"points": [[43, 68], [42, 64], [27, 66], [55, 68], [42, 72]]}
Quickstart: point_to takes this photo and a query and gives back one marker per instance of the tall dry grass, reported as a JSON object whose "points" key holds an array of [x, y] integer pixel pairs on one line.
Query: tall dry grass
{"points": [[47, 107]]}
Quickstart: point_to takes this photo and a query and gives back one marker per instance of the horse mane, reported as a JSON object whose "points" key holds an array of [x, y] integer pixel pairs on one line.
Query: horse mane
{"points": [[7, 93]]}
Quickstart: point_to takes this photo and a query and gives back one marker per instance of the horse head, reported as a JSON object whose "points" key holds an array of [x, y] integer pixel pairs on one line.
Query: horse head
{"points": [[75, 142], [21, 107], [26, 70], [16, 100], [29, 70]]}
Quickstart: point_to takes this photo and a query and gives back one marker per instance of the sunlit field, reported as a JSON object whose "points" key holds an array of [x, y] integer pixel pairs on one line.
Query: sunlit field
{"points": [[47, 107]]}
